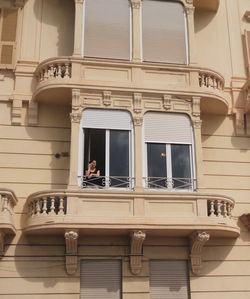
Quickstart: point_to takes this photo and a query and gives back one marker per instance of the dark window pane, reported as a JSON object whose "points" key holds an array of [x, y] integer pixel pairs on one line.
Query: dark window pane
{"points": [[181, 168], [157, 165], [119, 157]]}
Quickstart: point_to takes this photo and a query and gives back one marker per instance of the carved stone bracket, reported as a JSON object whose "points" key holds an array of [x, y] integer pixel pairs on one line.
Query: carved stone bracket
{"points": [[71, 238], [135, 3], [197, 123], [138, 121], [75, 99], [196, 106], [16, 113], [190, 10], [137, 102], [1, 243], [167, 102], [107, 98], [197, 241], [136, 240], [75, 117]]}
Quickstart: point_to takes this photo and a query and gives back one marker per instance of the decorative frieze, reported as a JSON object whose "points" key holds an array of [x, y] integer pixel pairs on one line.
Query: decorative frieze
{"points": [[71, 238], [136, 240], [167, 102], [106, 98], [197, 241], [137, 99]]}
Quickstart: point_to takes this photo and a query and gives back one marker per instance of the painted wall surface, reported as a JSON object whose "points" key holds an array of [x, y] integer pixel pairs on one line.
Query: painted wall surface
{"points": [[33, 265]]}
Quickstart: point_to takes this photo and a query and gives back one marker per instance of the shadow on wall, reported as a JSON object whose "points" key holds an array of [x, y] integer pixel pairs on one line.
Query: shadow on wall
{"points": [[57, 37], [202, 18]]}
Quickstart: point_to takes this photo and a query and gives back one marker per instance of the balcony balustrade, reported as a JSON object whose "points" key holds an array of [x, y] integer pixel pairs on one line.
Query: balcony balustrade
{"points": [[93, 211]]}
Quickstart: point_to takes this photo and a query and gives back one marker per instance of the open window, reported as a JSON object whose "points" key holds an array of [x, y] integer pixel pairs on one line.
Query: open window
{"points": [[168, 151], [106, 138]]}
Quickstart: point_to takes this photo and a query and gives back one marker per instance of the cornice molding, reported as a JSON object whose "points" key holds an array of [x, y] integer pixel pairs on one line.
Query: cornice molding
{"points": [[136, 240]]}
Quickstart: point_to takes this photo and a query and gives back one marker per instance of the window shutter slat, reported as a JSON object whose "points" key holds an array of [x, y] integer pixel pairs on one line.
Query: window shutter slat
{"points": [[106, 119], [168, 279], [100, 279], [167, 128]]}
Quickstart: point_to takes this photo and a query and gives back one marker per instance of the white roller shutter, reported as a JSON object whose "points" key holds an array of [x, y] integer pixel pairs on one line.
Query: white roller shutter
{"points": [[106, 119], [167, 128], [100, 279], [168, 280]]}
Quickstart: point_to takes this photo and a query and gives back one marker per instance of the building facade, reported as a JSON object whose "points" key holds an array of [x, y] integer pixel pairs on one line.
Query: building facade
{"points": [[156, 93]]}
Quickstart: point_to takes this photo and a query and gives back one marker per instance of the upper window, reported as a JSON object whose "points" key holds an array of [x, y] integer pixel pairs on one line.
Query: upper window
{"points": [[8, 26], [168, 151], [106, 157], [107, 29], [164, 32]]}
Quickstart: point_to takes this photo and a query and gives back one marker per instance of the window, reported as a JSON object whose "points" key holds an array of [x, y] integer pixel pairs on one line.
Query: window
{"points": [[8, 26], [100, 279], [169, 279], [107, 29], [168, 151], [107, 139], [164, 32]]}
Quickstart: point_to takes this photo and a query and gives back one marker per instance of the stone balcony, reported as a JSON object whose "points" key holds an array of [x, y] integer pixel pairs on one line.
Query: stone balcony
{"points": [[120, 212], [7, 202], [57, 76]]}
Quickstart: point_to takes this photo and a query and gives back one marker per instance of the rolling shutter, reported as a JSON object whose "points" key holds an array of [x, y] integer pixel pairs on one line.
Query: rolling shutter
{"points": [[167, 128], [100, 279], [168, 280], [106, 119], [8, 26]]}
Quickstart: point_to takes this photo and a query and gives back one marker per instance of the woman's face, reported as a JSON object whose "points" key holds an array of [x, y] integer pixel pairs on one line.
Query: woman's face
{"points": [[93, 163]]}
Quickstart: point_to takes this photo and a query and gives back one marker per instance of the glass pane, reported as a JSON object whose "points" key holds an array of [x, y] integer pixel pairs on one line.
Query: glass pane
{"points": [[107, 29], [157, 165], [119, 158], [163, 32], [181, 168], [94, 149]]}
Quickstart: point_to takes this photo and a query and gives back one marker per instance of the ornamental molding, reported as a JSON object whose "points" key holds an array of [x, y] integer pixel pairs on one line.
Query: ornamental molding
{"points": [[76, 102], [189, 1], [190, 10], [75, 117], [197, 241], [138, 121], [106, 99], [136, 240], [167, 102], [196, 106], [197, 123], [137, 100], [71, 238], [135, 3]]}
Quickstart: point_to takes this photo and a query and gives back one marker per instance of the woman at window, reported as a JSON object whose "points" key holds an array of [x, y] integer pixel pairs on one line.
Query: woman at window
{"points": [[92, 172]]}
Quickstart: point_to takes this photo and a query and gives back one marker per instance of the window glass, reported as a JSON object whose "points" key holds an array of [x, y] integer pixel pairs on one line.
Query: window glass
{"points": [[163, 32], [107, 29]]}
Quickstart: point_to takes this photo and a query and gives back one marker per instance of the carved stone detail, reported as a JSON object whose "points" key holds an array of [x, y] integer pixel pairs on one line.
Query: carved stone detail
{"points": [[16, 113], [76, 103], [71, 238], [189, 1], [1, 243], [107, 98], [138, 121], [137, 102], [197, 123], [135, 3], [136, 240], [196, 106], [75, 117], [167, 102], [190, 10], [197, 241], [33, 113]]}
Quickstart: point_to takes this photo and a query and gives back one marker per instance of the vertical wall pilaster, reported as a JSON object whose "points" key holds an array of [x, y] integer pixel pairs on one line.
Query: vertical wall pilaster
{"points": [[191, 35], [138, 153], [136, 31], [78, 28]]}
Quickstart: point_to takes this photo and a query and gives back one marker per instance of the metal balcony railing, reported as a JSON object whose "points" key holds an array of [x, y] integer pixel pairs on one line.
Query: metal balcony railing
{"points": [[169, 184], [106, 182]]}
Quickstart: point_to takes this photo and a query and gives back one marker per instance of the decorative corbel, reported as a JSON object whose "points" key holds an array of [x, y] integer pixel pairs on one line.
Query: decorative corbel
{"points": [[137, 102], [33, 113], [197, 123], [16, 113], [75, 99], [167, 102], [138, 121], [1, 243], [136, 240], [106, 98], [71, 238], [135, 3], [75, 117], [197, 240], [196, 106]]}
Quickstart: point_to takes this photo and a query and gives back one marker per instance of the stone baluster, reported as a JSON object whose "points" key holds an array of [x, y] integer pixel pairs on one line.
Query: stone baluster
{"points": [[212, 210], [51, 71], [66, 75], [37, 207], [46, 73], [224, 209], [59, 70], [44, 200], [52, 208], [5, 204], [218, 208], [61, 209]]}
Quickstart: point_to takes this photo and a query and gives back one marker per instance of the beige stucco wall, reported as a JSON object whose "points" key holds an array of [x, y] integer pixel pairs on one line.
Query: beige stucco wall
{"points": [[34, 266]]}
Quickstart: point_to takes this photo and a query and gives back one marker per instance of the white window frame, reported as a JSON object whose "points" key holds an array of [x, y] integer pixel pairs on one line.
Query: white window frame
{"points": [[130, 32]]}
